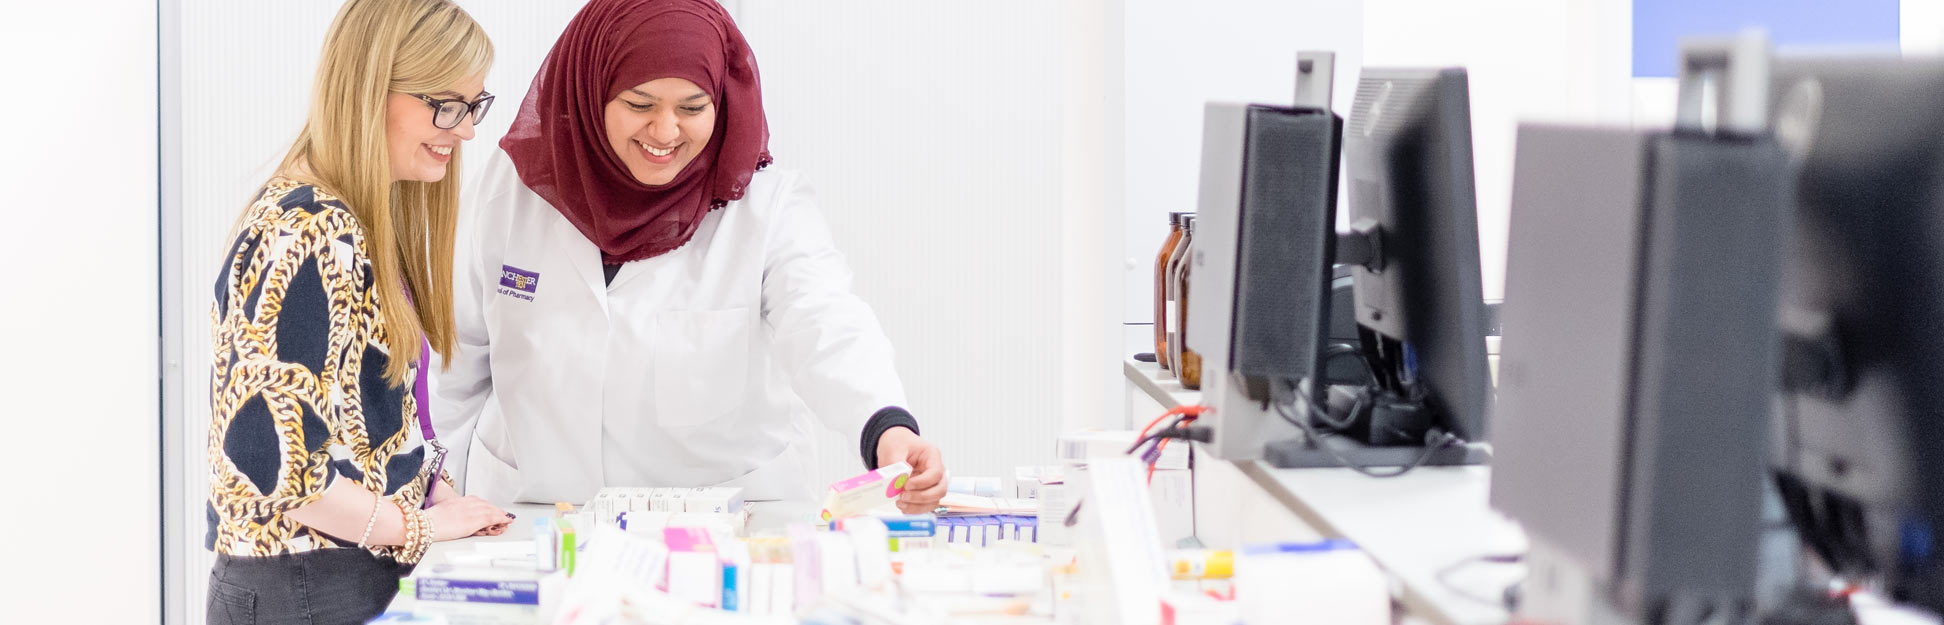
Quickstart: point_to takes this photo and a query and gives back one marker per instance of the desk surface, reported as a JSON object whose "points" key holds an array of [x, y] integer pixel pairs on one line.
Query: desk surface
{"points": [[1414, 526], [763, 516], [766, 515], [520, 529]]}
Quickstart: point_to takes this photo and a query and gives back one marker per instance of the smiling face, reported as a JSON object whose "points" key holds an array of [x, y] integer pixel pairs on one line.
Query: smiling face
{"points": [[657, 127], [419, 150]]}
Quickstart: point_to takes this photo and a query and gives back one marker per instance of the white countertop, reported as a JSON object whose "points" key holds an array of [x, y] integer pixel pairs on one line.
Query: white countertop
{"points": [[1414, 526], [765, 516]]}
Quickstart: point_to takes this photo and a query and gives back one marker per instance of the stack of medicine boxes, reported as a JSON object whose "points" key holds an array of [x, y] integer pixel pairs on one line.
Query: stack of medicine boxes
{"points": [[651, 509]]}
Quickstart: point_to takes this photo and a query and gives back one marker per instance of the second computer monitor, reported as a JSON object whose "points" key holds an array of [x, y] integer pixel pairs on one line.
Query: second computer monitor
{"points": [[1407, 155], [1862, 317]]}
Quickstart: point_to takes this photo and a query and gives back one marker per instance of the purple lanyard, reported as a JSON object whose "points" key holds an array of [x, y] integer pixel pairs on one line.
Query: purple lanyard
{"points": [[422, 396], [424, 401], [420, 391]]}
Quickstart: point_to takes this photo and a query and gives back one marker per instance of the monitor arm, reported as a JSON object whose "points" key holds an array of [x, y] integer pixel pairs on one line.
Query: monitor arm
{"points": [[1362, 246], [1815, 365]]}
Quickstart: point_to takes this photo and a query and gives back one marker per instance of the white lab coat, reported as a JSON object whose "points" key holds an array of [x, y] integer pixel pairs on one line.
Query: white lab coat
{"points": [[699, 367]]}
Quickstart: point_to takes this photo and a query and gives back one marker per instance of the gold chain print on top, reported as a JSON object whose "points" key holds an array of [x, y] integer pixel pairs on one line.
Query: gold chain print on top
{"points": [[298, 393]]}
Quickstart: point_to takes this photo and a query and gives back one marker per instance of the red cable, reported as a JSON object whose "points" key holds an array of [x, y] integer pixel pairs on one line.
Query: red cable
{"points": [[1189, 413]]}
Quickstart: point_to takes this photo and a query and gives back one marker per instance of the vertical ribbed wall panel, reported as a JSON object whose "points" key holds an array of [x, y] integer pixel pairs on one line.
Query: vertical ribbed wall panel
{"points": [[932, 134]]}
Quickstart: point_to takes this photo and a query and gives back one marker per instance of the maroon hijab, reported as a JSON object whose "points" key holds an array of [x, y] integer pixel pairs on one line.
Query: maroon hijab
{"points": [[559, 141]]}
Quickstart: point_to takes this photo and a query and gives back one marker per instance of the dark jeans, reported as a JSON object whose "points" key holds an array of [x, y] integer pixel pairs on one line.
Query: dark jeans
{"points": [[323, 587]]}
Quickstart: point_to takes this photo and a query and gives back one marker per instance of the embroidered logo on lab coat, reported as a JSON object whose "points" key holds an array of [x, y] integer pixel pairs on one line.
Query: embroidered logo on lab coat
{"points": [[518, 283]]}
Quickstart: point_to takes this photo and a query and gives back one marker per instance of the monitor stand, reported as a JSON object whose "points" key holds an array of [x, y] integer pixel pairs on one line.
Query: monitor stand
{"points": [[1300, 453]]}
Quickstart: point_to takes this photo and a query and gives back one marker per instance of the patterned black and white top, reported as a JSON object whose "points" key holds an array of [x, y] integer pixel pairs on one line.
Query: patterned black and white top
{"points": [[298, 390]]}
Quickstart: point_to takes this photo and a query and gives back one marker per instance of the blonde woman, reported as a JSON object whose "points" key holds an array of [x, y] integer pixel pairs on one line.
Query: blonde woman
{"points": [[325, 481]]}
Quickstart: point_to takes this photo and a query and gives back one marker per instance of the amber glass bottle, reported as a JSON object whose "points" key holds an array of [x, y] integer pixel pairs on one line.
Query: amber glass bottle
{"points": [[1173, 311], [1174, 322], [1161, 290], [1186, 361]]}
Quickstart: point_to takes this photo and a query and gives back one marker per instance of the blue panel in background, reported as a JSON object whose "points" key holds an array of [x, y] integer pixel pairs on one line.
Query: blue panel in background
{"points": [[1658, 25]]}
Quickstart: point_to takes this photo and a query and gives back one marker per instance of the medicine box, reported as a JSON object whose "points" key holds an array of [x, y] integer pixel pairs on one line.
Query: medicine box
{"points": [[477, 595], [874, 490]]}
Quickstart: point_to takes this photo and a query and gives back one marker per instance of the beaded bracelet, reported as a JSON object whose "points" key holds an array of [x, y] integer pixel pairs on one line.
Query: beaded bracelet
{"points": [[426, 536], [370, 522], [421, 539], [418, 537], [411, 535]]}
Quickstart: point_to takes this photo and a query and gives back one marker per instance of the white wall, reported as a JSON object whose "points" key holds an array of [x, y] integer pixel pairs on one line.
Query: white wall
{"points": [[1093, 113], [79, 309], [1528, 60], [1922, 27]]}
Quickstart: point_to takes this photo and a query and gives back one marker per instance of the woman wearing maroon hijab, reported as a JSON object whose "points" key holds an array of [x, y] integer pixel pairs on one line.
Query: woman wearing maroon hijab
{"points": [[641, 303]]}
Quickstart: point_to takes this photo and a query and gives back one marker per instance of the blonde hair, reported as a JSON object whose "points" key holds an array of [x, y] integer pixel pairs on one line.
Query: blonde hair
{"points": [[374, 48]]}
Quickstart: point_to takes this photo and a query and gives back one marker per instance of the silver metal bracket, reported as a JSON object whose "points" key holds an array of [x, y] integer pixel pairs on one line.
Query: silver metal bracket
{"points": [[1315, 69], [1724, 88]]}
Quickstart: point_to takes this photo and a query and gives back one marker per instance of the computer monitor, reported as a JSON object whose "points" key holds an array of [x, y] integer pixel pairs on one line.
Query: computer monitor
{"points": [[1419, 304], [1861, 464], [1638, 366], [1408, 158], [1267, 259], [1265, 234]]}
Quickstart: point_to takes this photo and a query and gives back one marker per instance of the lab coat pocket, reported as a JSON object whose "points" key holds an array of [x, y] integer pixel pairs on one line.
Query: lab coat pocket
{"points": [[488, 477], [701, 365]]}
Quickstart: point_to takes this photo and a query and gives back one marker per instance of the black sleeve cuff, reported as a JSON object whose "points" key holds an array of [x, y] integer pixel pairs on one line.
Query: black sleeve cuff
{"points": [[885, 419]]}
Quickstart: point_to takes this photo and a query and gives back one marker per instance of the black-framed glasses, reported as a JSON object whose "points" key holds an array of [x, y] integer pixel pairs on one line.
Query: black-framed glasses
{"points": [[447, 113]]}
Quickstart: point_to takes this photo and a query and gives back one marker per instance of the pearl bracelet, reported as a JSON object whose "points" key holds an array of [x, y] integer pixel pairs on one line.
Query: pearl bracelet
{"points": [[370, 522]]}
